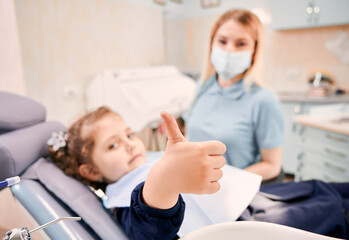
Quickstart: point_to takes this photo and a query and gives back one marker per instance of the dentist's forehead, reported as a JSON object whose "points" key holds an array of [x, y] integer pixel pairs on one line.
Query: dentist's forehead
{"points": [[232, 28]]}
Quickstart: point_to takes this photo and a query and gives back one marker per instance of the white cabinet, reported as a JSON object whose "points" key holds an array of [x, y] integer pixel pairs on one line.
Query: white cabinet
{"points": [[322, 155], [289, 153], [296, 14]]}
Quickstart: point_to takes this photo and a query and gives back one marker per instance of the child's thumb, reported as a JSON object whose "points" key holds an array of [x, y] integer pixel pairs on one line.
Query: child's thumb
{"points": [[173, 133]]}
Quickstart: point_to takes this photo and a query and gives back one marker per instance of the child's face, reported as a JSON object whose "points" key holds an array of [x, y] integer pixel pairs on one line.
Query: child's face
{"points": [[117, 149], [231, 36]]}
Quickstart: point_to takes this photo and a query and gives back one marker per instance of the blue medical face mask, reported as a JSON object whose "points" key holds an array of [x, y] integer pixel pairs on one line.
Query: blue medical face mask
{"points": [[230, 64]]}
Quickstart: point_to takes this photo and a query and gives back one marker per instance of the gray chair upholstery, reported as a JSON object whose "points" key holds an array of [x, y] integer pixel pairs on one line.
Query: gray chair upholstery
{"points": [[22, 147], [81, 201], [17, 112], [45, 191]]}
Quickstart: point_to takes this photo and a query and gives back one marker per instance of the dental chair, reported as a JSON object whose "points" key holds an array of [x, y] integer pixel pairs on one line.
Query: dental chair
{"points": [[46, 193]]}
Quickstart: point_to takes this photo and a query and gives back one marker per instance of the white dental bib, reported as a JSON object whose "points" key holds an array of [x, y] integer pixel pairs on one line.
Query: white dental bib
{"points": [[238, 187]]}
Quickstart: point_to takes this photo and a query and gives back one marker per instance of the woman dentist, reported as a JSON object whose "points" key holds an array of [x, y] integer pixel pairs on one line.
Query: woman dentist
{"points": [[246, 117]]}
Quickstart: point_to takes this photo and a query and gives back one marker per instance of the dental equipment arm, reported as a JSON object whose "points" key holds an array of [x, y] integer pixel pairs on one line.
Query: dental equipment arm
{"points": [[24, 233]]}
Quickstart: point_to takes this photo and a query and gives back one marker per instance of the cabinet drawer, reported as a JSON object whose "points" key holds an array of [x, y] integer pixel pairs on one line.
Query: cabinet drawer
{"points": [[329, 138], [326, 148], [319, 167], [309, 172], [324, 164], [328, 152]]}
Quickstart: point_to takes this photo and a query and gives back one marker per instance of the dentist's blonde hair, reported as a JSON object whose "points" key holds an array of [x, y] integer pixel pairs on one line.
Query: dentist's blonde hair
{"points": [[253, 25]]}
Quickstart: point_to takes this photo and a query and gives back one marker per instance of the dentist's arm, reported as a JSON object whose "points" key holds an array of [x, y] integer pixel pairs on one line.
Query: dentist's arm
{"points": [[270, 165], [186, 167]]}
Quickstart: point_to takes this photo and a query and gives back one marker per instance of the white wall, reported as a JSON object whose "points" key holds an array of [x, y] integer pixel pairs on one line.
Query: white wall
{"points": [[11, 74], [65, 42]]}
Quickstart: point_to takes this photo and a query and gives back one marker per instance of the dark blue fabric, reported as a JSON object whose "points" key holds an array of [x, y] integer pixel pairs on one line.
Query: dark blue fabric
{"points": [[312, 206], [143, 222]]}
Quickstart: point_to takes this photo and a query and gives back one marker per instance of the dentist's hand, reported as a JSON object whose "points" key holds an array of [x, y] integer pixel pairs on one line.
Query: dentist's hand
{"points": [[186, 167]]}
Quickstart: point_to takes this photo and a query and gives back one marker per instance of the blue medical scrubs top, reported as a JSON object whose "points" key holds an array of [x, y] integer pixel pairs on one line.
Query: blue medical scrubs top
{"points": [[245, 121]]}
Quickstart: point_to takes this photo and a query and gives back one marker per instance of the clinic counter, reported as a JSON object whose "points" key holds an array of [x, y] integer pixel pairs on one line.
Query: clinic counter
{"points": [[303, 97], [337, 123]]}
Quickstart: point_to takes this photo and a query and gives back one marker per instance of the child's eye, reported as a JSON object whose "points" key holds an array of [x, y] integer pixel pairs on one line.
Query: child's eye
{"points": [[130, 135], [113, 146]]}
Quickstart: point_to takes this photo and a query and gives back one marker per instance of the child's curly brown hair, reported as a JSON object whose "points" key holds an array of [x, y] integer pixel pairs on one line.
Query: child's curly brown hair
{"points": [[79, 146]]}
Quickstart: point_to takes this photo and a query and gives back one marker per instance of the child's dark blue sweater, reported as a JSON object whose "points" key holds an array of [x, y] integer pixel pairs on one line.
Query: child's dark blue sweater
{"points": [[143, 222]]}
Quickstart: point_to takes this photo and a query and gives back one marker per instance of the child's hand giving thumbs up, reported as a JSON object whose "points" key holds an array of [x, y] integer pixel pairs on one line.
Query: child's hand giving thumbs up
{"points": [[186, 167]]}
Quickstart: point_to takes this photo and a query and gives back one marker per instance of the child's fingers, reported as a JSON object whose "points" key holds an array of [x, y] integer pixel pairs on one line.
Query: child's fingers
{"points": [[217, 161], [173, 132], [162, 128], [216, 174], [213, 187], [214, 147]]}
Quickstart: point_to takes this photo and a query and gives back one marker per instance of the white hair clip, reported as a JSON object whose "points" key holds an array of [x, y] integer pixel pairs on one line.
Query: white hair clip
{"points": [[58, 140]]}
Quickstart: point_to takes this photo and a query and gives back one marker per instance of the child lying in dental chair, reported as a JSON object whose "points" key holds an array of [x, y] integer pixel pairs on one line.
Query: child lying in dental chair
{"points": [[100, 149]]}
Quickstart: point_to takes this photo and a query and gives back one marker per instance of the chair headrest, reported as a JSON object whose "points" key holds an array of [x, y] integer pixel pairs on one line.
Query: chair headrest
{"points": [[20, 148], [18, 112], [77, 197]]}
